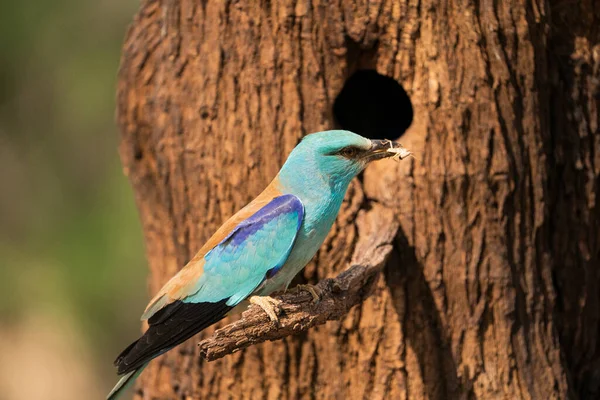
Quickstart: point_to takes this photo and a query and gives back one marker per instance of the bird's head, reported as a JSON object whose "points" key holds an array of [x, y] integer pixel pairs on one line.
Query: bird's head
{"points": [[336, 156]]}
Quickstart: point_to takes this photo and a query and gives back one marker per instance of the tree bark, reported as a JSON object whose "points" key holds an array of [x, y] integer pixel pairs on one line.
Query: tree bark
{"points": [[492, 289]]}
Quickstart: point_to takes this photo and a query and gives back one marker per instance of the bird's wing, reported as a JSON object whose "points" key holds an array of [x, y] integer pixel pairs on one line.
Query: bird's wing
{"points": [[255, 240], [189, 279], [256, 248]]}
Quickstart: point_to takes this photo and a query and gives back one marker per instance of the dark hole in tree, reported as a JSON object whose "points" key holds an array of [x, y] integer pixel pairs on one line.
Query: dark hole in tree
{"points": [[373, 105]]}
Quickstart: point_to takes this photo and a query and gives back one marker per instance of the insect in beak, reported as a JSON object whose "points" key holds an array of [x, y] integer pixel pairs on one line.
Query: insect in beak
{"points": [[386, 148]]}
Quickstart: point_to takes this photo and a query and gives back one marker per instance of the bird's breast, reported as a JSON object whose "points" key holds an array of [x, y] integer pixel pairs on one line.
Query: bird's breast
{"points": [[319, 216]]}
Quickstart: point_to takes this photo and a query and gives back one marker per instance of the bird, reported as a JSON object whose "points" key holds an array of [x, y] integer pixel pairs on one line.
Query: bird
{"points": [[259, 249]]}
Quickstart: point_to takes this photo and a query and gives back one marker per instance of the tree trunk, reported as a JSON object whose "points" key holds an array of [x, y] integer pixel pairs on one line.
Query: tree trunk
{"points": [[493, 288]]}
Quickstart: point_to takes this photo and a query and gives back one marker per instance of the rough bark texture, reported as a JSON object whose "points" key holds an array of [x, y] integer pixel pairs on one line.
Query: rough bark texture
{"points": [[493, 286]]}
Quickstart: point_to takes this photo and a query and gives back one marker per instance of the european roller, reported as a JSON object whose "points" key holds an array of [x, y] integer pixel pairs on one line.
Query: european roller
{"points": [[259, 249]]}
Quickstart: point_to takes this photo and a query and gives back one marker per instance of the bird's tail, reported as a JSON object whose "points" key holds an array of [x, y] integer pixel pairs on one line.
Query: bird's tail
{"points": [[124, 382]]}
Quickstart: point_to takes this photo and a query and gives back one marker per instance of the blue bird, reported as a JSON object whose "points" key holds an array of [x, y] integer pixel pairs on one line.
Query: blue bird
{"points": [[259, 249]]}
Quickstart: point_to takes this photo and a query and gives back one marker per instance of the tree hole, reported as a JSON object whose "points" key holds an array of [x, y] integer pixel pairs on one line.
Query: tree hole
{"points": [[373, 105]]}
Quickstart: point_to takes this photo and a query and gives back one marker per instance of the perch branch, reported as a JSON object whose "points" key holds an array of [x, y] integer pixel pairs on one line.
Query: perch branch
{"points": [[377, 229]]}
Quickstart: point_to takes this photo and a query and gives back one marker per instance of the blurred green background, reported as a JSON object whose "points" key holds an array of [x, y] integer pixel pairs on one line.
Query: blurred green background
{"points": [[72, 269]]}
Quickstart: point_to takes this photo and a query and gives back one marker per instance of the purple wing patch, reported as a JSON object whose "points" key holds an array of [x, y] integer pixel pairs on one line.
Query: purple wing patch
{"points": [[285, 204]]}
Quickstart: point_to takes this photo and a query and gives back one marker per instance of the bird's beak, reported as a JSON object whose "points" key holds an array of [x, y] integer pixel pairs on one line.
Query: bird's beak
{"points": [[386, 148]]}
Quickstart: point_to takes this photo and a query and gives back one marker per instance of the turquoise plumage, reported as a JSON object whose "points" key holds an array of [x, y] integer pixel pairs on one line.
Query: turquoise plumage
{"points": [[258, 250]]}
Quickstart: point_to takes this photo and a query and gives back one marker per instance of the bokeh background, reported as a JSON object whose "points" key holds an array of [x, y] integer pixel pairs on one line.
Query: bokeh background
{"points": [[72, 268]]}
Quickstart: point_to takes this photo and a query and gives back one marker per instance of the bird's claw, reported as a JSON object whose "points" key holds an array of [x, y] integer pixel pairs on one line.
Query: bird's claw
{"points": [[269, 305], [313, 290]]}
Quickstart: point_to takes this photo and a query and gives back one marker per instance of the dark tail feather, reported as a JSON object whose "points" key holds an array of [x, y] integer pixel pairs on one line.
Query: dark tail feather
{"points": [[124, 383], [169, 327], [124, 353]]}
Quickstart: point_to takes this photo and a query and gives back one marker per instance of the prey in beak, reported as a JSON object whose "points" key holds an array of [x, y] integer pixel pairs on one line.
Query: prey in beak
{"points": [[386, 148]]}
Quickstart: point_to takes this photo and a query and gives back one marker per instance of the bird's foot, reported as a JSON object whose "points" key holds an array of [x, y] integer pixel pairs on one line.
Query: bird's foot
{"points": [[313, 290], [269, 306]]}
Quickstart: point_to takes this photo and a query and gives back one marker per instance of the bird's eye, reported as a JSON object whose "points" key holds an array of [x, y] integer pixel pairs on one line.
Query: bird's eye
{"points": [[348, 152]]}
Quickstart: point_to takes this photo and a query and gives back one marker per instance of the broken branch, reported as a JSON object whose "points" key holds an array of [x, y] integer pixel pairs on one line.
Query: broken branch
{"points": [[377, 229]]}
